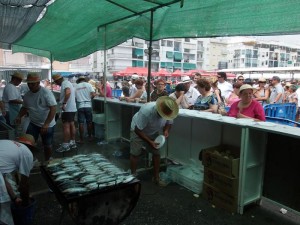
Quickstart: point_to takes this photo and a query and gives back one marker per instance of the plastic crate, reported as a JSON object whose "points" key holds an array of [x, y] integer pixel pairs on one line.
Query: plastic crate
{"points": [[284, 110], [283, 121], [116, 93], [187, 177]]}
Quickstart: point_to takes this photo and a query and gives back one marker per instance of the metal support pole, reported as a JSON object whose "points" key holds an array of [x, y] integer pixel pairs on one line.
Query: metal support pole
{"points": [[150, 55]]}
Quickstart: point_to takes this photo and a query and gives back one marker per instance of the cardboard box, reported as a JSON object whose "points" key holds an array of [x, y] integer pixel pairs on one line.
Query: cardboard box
{"points": [[219, 198], [213, 158], [226, 184]]}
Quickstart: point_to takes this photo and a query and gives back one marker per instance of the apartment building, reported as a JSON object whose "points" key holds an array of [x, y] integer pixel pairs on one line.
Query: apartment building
{"points": [[252, 53]]}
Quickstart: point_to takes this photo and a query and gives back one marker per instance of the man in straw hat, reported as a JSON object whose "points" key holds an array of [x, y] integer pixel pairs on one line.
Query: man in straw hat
{"points": [[40, 104], [68, 107], [16, 158], [84, 93], [12, 98], [152, 118]]}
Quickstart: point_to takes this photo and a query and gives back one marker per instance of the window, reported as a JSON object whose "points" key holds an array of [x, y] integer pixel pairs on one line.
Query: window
{"points": [[187, 40], [170, 43]]}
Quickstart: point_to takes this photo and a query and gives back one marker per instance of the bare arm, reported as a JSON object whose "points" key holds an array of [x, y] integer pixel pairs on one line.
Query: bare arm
{"points": [[145, 138]]}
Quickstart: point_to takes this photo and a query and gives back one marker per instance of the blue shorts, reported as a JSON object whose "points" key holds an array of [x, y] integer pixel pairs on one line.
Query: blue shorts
{"points": [[85, 114], [68, 116], [35, 131]]}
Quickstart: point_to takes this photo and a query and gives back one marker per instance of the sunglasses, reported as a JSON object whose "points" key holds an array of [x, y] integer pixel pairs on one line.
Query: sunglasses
{"points": [[240, 79], [219, 77]]}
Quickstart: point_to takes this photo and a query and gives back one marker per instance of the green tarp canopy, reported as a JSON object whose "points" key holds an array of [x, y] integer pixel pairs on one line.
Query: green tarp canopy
{"points": [[72, 29]]}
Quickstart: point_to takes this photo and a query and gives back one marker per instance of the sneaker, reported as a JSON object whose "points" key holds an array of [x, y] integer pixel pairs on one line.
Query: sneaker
{"points": [[63, 149], [159, 182], [72, 145]]}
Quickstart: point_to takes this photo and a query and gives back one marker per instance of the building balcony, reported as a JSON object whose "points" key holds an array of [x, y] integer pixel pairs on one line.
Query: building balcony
{"points": [[119, 55], [154, 58], [200, 48]]}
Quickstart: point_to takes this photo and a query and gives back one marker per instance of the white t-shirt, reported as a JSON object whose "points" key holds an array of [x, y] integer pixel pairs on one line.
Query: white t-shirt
{"points": [[83, 95], [15, 156], [275, 91], [38, 105], [10, 92], [148, 120], [71, 104], [192, 94], [226, 89], [298, 93]]}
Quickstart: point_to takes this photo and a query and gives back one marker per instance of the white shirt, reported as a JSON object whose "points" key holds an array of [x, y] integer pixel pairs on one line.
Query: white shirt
{"points": [[148, 120], [226, 88], [83, 94], [298, 94], [38, 105], [275, 91], [10, 92], [192, 94], [183, 104], [15, 156], [71, 104]]}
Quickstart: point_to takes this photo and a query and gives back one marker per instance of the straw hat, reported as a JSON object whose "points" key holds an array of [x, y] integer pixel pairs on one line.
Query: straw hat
{"points": [[134, 76], [28, 140], [167, 108], [33, 78], [186, 79], [56, 77], [81, 78], [262, 79], [245, 87], [18, 75]]}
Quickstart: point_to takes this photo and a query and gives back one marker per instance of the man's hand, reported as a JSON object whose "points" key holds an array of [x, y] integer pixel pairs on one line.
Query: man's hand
{"points": [[44, 128], [153, 144]]}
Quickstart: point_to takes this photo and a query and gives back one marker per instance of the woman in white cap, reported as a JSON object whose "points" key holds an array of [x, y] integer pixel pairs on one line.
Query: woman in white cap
{"points": [[262, 94], [247, 107]]}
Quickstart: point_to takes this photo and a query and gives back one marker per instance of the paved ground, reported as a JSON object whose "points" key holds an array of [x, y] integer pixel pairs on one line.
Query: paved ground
{"points": [[172, 205]]}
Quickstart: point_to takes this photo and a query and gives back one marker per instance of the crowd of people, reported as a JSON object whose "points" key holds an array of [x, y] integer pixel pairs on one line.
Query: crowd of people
{"points": [[216, 94]]}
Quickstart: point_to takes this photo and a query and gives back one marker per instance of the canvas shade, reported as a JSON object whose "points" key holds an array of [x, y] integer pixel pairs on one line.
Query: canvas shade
{"points": [[68, 32], [177, 73], [141, 71]]}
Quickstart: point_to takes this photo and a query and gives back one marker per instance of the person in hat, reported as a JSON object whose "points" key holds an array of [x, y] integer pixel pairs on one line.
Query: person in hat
{"points": [[133, 88], [247, 107], [12, 98], [192, 93], [223, 85], [277, 91], [262, 94], [68, 111], [16, 160], [240, 79], [84, 94], [40, 105], [152, 118]]}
